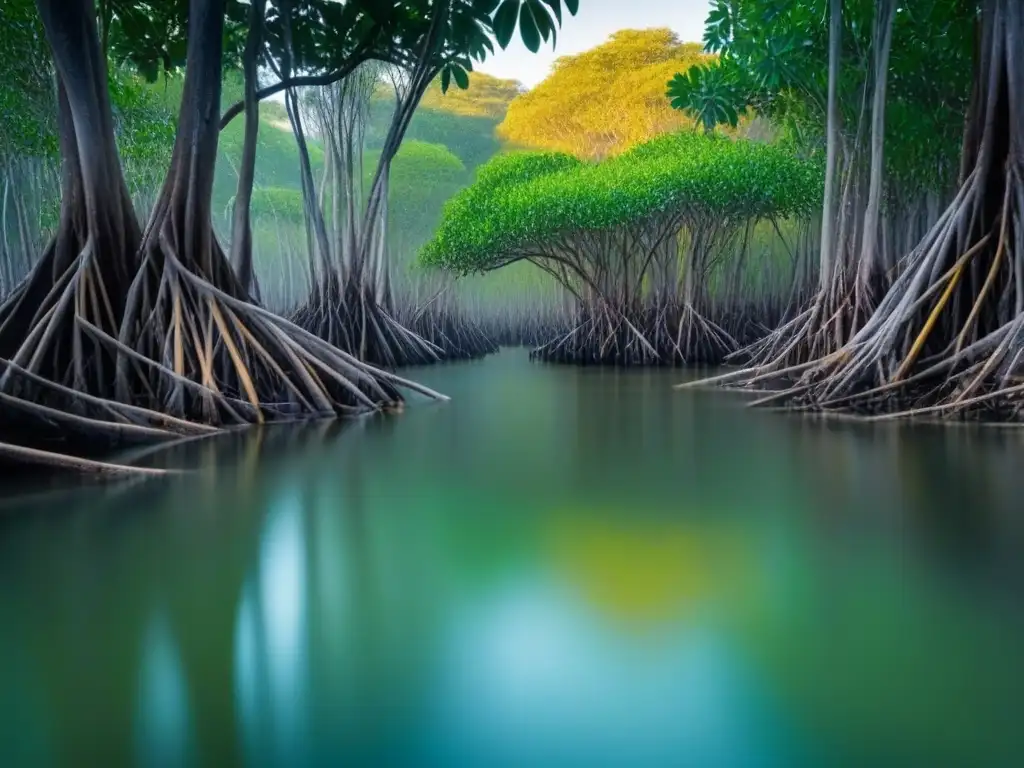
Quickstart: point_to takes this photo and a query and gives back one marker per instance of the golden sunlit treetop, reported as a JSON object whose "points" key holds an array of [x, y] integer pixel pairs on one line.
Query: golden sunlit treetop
{"points": [[605, 100], [486, 96]]}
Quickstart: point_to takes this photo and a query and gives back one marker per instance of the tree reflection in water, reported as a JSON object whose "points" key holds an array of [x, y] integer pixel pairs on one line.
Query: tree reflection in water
{"points": [[163, 727], [271, 676]]}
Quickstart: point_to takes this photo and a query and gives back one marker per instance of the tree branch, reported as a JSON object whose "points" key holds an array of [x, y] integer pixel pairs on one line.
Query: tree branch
{"points": [[299, 81]]}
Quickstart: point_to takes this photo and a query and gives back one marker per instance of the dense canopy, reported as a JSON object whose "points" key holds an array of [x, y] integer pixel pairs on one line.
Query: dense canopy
{"points": [[524, 199], [604, 100]]}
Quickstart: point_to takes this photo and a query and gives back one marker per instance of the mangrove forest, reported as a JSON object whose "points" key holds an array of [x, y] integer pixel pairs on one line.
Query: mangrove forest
{"points": [[511, 383]]}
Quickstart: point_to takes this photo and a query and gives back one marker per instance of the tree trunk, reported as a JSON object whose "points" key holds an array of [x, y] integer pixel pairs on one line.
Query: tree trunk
{"points": [[352, 305], [161, 311], [828, 218], [199, 349], [241, 229], [313, 214], [947, 338], [81, 275], [870, 268]]}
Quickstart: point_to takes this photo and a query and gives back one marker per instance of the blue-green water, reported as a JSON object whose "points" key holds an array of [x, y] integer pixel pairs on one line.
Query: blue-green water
{"points": [[559, 567]]}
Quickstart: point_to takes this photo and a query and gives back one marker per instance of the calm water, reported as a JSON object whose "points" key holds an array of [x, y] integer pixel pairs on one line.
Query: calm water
{"points": [[559, 567]]}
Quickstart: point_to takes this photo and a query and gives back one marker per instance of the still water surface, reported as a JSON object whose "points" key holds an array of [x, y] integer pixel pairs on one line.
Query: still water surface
{"points": [[559, 567]]}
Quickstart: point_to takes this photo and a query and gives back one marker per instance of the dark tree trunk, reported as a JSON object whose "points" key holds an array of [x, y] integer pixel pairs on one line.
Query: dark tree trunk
{"points": [[78, 284], [189, 186], [192, 344]]}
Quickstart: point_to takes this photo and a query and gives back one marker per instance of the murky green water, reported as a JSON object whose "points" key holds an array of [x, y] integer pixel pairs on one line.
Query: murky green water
{"points": [[559, 567]]}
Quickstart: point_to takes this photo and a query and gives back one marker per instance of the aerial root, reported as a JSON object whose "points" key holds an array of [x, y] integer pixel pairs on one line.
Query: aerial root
{"points": [[939, 342], [245, 363], [186, 359], [664, 334], [39, 458], [345, 313], [453, 336]]}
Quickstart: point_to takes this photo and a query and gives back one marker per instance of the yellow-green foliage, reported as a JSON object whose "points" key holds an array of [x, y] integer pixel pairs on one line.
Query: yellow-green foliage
{"points": [[486, 97], [604, 100]]}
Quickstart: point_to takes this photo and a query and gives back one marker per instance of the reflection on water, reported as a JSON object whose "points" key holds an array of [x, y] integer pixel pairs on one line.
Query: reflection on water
{"points": [[270, 641], [535, 661], [163, 731], [559, 567]]}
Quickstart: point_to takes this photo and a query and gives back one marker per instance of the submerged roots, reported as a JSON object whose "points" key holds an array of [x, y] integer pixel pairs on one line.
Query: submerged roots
{"points": [[346, 314], [659, 335]]}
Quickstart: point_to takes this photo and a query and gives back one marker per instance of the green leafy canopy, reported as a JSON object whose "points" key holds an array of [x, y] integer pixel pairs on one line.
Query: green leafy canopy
{"points": [[526, 200]]}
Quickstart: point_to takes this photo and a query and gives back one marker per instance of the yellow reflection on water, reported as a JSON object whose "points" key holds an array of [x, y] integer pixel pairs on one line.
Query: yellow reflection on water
{"points": [[639, 570]]}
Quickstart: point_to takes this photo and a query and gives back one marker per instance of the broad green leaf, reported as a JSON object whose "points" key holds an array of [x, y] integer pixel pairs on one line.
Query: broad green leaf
{"points": [[528, 28], [505, 22], [556, 8]]}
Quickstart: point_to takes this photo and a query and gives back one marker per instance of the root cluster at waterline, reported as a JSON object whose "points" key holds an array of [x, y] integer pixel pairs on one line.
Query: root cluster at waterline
{"points": [[650, 246], [119, 333], [947, 337]]}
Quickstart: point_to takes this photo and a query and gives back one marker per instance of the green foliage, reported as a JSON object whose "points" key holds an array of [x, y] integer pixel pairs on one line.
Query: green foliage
{"points": [[474, 23], [26, 97], [470, 138], [711, 93], [526, 200], [418, 166], [423, 176], [152, 37], [143, 120], [535, 21], [277, 203], [520, 168], [465, 121], [777, 55], [145, 126]]}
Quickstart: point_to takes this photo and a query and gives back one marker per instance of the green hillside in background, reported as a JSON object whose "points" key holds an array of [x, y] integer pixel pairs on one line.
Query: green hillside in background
{"points": [[463, 122], [451, 134]]}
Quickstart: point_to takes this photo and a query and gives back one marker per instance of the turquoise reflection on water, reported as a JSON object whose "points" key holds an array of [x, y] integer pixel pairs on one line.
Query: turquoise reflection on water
{"points": [[559, 567], [270, 642], [533, 660], [163, 722]]}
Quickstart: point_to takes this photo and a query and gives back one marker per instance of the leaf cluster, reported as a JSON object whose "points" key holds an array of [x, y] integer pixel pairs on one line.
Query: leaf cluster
{"points": [[152, 35], [774, 57], [712, 93], [26, 98], [322, 36]]}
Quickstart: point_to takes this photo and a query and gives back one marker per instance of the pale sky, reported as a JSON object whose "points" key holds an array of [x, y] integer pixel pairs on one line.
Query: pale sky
{"points": [[591, 26]]}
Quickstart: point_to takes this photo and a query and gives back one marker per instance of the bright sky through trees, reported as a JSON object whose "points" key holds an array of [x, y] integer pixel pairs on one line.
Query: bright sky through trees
{"points": [[595, 22]]}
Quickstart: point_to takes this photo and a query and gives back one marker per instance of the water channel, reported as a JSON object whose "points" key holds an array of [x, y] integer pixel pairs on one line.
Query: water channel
{"points": [[561, 566]]}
